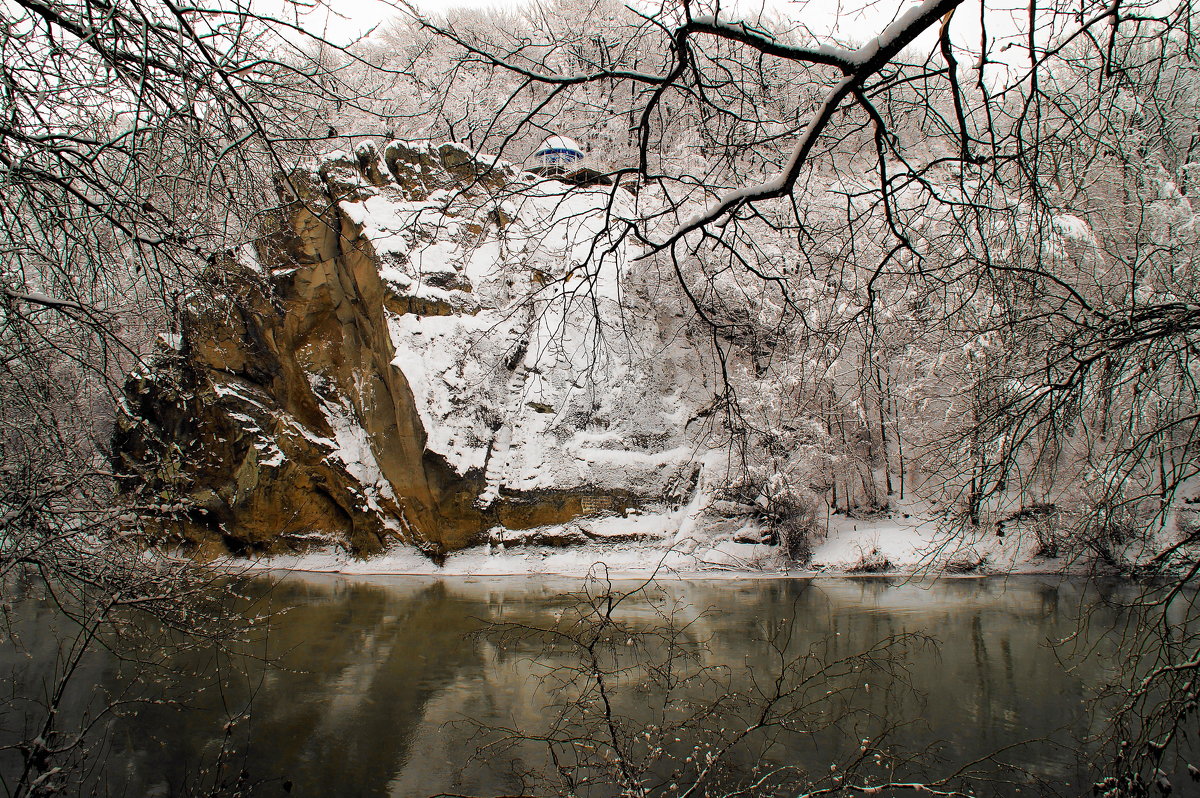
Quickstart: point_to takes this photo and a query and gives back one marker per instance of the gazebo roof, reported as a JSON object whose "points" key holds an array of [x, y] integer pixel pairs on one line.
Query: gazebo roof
{"points": [[559, 144]]}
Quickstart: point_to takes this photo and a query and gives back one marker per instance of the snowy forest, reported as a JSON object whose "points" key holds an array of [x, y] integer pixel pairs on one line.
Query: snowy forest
{"points": [[264, 293]]}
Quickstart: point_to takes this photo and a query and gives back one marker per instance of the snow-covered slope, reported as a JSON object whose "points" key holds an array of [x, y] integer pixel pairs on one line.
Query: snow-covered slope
{"points": [[533, 363]]}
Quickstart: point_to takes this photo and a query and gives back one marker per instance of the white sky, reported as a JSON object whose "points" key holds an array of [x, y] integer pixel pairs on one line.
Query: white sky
{"points": [[853, 19], [848, 22]]}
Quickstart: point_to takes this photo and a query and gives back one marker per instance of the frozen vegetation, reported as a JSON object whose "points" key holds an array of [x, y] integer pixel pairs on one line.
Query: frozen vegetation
{"points": [[921, 295]]}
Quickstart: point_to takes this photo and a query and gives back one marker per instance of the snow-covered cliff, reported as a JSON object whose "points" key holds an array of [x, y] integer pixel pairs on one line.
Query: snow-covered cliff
{"points": [[424, 346]]}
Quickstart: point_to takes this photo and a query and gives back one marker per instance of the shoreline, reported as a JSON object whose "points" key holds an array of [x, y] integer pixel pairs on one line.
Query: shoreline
{"points": [[715, 576], [908, 547], [385, 566], [906, 544]]}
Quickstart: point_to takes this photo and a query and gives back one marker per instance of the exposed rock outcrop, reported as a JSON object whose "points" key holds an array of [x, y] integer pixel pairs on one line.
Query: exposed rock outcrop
{"points": [[408, 353]]}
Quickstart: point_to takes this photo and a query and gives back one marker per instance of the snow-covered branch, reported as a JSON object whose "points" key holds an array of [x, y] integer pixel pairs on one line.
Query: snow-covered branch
{"points": [[859, 66], [38, 298]]}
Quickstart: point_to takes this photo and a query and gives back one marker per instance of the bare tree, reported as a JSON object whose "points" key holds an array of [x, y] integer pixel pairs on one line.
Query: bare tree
{"points": [[995, 232], [137, 142]]}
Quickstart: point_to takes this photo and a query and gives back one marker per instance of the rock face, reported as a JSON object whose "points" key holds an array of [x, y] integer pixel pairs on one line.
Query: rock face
{"points": [[422, 346]]}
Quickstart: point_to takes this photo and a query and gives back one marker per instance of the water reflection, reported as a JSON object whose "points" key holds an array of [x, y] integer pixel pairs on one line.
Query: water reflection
{"points": [[378, 673]]}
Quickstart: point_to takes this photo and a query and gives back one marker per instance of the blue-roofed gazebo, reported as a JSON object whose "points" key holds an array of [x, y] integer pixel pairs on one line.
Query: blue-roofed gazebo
{"points": [[558, 151]]}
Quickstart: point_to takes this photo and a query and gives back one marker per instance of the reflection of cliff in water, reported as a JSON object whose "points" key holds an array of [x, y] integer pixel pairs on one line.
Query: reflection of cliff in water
{"points": [[358, 664], [367, 659], [379, 674]]}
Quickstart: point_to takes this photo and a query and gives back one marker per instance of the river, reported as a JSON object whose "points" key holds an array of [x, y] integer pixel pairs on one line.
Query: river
{"points": [[385, 686]]}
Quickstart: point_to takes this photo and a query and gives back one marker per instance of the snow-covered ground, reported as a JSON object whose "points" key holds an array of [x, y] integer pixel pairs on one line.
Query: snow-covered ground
{"points": [[651, 543]]}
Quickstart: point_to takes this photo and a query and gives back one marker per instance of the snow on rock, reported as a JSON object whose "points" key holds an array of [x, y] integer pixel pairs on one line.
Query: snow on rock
{"points": [[425, 346], [352, 447], [637, 545], [529, 362], [664, 542]]}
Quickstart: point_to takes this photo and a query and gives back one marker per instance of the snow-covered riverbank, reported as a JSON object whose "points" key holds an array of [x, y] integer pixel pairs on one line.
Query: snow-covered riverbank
{"points": [[646, 544]]}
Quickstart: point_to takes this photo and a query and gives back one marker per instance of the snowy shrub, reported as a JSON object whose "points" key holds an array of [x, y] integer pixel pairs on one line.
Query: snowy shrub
{"points": [[795, 534], [871, 562]]}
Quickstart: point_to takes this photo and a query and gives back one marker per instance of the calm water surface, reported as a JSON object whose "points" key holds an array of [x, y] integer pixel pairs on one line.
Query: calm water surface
{"points": [[377, 676]]}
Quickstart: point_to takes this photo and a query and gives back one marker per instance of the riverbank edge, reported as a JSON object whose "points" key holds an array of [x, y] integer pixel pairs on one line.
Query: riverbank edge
{"points": [[616, 563], [256, 569], [898, 546]]}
